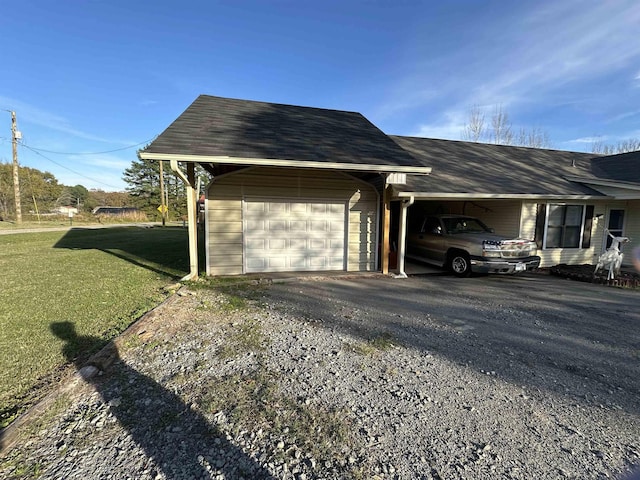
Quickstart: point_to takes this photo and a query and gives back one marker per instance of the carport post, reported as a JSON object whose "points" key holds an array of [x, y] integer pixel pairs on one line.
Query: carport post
{"points": [[386, 226], [189, 180], [403, 236]]}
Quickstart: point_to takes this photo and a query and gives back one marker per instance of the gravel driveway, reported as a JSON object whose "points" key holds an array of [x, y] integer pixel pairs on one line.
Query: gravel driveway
{"points": [[429, 377]]}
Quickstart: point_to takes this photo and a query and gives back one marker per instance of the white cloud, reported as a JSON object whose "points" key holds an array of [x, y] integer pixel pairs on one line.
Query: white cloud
{"points": [[35, 115], [523, 58], [588, 140], [110, 161], [450, 128]]}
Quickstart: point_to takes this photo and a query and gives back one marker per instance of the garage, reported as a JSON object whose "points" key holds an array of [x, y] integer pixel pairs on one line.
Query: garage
{"points": [[301, 235], [291, 188], [264, 219]]}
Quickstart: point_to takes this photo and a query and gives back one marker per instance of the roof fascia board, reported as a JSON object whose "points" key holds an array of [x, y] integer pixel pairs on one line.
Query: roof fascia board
{"points": [[605, 183], [286, 163], [498, 196]]}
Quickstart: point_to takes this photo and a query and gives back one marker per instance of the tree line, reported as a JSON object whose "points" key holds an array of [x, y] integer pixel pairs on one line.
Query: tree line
{"points": [[498, 129], [41, 193]]}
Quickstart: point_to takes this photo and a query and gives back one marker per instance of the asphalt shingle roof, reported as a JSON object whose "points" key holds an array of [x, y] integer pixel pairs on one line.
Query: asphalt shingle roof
{"points": [[477, 168], [218, 127]]}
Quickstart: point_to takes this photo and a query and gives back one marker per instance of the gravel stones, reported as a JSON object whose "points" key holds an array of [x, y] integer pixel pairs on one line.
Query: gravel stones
{"points": [[301, 382]]}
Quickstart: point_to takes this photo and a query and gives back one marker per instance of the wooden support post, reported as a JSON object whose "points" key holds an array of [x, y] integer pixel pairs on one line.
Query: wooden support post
{"points": [[192, 206], [386, 228]]}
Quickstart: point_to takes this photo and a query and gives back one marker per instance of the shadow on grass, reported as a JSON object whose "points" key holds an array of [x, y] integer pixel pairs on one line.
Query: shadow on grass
{"points": [[177, 441], [161, 250]]}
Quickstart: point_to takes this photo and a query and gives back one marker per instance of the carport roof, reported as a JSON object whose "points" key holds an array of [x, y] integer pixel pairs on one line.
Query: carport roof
{"points": [[464, 169], [243, 132]]}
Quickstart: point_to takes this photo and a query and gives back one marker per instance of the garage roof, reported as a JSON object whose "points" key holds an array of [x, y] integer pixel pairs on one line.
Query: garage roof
{"points": [[244, 132], [498, 171]]}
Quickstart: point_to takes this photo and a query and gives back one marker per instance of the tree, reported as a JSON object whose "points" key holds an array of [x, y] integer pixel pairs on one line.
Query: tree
{"points": [[38, 190], [500, 131], [100, 198], [623, 146], [143, 178], [473, 131]]}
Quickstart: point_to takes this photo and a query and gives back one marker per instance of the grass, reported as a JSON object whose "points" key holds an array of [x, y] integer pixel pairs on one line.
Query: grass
{"points": [[93, 282], [379, 343]]}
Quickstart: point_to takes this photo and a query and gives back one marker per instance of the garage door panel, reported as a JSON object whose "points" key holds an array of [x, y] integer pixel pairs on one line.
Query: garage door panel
{"points": [[256, 264], [318, 243], [277, 244], [295, 236], [255, 208], [298, 226], [297, 207], [255, 225], [276, 225], [255, 244]]}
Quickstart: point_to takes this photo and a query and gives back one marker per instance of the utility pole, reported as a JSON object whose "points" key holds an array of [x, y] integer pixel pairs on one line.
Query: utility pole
{"points": [[15, 135]]}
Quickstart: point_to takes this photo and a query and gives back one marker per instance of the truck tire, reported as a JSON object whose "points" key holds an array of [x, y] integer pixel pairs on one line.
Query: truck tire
{"points": [[459, 263]]}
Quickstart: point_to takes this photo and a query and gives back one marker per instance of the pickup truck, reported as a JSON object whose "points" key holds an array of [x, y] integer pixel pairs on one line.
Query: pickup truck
{"points": [[465, 244]]}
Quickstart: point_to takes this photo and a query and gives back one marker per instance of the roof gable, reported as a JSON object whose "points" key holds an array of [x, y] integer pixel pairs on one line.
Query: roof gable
{"points": [[216, 127]]}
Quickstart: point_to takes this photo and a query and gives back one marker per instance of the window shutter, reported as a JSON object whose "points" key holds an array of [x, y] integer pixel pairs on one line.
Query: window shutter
{"points": [[588, 223], [540, 218]]}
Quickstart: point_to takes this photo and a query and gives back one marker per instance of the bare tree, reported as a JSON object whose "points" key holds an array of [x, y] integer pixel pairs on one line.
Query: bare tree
{"points": [[500, 131], [501, 127], [474, 130], [623, 146], [535, 138]]}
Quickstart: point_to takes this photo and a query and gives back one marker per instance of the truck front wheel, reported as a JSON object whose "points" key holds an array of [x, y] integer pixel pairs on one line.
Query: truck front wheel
{"points": [[460, 264]]}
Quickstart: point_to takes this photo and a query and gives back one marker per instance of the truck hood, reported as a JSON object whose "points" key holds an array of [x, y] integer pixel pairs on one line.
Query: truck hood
{"points": [[488, 237]]}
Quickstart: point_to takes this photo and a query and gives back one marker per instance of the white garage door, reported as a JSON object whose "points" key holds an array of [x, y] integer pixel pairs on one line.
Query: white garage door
{"points": [[293, 235]]}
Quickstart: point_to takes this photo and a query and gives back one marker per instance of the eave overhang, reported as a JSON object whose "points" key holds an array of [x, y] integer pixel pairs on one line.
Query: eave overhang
{"points": [[605, 183], [269, 162], [494, 196]]}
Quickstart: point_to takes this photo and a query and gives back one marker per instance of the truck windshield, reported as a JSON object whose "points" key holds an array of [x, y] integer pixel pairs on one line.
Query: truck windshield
{"points": [[464, 225]]}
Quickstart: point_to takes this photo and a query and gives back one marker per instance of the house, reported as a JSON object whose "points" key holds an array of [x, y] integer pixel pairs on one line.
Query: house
{"points": [[563, 200], [308, 189]]}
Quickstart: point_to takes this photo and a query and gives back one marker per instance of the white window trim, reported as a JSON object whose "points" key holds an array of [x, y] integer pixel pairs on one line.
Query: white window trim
{"points": [[546, 225]]}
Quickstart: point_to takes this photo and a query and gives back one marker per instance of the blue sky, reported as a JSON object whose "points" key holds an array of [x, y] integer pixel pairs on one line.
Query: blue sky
{"points": [[100, 76]]}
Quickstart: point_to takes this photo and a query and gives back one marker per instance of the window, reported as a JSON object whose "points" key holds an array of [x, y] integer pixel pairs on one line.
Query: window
{"points": [[564, 226]]}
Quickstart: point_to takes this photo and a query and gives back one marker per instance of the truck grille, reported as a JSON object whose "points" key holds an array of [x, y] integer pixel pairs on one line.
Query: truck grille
{"points": [[517, 250]]}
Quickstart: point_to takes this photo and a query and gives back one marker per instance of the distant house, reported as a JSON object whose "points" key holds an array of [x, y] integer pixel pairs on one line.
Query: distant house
{"points": [[308, 189], [66, 210], [114, 210]]}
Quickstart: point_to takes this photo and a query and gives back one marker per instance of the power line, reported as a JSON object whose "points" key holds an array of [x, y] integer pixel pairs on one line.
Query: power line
{"points": [[67, 168], [90, 153]]}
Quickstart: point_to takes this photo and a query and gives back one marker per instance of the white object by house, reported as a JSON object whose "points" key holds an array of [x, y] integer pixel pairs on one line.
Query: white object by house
{"points": [[611, 259]]}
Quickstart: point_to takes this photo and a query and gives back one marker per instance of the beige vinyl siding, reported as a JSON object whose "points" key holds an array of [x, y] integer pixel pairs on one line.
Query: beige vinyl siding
{"points": [[224, 226], [632, 228], [501, 215], [575, 256]]}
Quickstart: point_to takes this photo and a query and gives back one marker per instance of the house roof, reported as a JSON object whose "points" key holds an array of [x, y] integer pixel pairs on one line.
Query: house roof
{"points": [[487, 170], [243, 132]]}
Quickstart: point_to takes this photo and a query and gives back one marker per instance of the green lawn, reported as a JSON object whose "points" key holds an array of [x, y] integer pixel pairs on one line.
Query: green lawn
{"points": [[100, 280]]}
